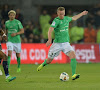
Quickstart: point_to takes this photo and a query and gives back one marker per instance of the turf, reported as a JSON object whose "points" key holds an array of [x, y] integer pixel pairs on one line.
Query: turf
{"points": [[48, 78]]}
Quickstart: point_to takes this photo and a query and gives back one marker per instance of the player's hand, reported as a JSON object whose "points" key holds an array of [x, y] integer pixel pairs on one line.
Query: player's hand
{"points": [[13, 34], [84, 12], [48, 42], [5, 38]]}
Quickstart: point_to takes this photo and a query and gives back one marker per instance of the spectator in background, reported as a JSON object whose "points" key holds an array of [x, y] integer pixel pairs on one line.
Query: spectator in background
{"points": [[89, 34], [54, 15], [25, 40], [98, 35], [37, 32], [3, 24], [4, 12], [37, 29], [97, 19], [29, 34], [45, 32], [19, 16], [31, 38], [28, 24], [0, 23], [44, 20], [76, 33], [70, 13], [90, 19], [94, 10], [29, 31], [33, 34]]}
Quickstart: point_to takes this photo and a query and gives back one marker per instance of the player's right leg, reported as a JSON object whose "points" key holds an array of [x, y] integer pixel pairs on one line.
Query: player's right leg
{"points": [[53, 52], [47, 61], [10, 49], [5, 67], [0, 68], [9, 58]]}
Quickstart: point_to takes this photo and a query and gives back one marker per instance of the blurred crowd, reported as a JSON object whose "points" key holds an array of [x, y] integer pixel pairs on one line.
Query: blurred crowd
{"points": [[85, 30]]}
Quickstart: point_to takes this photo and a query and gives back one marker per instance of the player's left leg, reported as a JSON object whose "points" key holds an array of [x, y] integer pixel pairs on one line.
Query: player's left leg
{"points": [[5, 67], [17, 49], [18, 61], [73, 65], [68, 50]]}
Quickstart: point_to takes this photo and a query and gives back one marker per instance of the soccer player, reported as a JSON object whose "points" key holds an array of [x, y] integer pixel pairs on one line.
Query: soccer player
{"points": [[61, 42], [0, 49], [0, 60], [14, 28], [4, 57]]}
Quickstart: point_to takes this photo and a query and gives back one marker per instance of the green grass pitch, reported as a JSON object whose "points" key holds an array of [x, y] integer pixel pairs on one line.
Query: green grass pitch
{"points": [[48, 78]]}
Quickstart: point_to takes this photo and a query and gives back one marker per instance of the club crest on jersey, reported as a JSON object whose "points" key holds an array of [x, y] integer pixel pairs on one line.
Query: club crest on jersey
{"points": [[53, 24]]}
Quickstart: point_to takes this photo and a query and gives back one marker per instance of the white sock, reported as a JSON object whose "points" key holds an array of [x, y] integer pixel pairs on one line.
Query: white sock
{"points": [[7, 76]]}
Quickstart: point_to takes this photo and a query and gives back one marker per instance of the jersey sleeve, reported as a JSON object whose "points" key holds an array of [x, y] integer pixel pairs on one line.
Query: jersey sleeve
{"points": [[54, 23], [20, 25], [69, 19]]}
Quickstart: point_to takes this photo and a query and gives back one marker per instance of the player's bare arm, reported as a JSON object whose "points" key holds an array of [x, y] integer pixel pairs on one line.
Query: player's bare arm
{"points": [[49, 36], [18, 33], [79, 15], [3, 35]]}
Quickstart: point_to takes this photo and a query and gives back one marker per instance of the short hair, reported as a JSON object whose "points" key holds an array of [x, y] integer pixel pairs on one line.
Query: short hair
{"points": [[60, 9], [11, 11]]}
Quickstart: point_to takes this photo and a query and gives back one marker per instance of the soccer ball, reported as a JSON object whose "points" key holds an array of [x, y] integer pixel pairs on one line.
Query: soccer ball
{"points": [[64, 76]]}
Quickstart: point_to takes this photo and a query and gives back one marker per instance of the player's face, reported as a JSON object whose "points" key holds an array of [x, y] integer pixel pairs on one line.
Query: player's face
{"points": [[61, 14], [11, 16]]}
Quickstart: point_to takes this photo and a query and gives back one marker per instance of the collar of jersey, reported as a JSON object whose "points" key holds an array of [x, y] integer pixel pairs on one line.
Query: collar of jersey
{"points": [[12, 20], [60, 19]]}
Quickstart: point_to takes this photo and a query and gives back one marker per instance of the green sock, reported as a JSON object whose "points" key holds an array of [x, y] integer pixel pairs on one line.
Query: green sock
{"points": [[73, 65], [18, 61], [8, 61], [44, 63]]}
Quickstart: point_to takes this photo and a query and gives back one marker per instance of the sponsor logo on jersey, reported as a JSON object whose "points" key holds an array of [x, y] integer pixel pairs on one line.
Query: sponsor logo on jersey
{"points": [[63, 30]]}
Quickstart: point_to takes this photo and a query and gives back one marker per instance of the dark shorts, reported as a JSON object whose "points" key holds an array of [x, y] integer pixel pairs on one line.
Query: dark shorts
{"points": [[0, 47]]}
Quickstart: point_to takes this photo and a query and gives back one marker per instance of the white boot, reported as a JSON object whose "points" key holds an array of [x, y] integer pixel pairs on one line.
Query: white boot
{"points": [[1, 72]]}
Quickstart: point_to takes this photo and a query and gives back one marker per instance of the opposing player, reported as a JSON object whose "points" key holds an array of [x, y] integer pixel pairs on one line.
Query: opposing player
{"points": [[0, 60], [61, 42], [4, 57], [14, 28], [0, 49]]}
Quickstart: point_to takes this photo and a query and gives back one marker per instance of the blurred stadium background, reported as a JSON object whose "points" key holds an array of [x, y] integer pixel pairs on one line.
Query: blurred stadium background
{"points": [[36, 17]]}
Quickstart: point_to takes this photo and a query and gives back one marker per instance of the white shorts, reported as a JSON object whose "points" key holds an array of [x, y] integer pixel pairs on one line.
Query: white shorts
{"points": [[14, 47], [56, 48]]}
